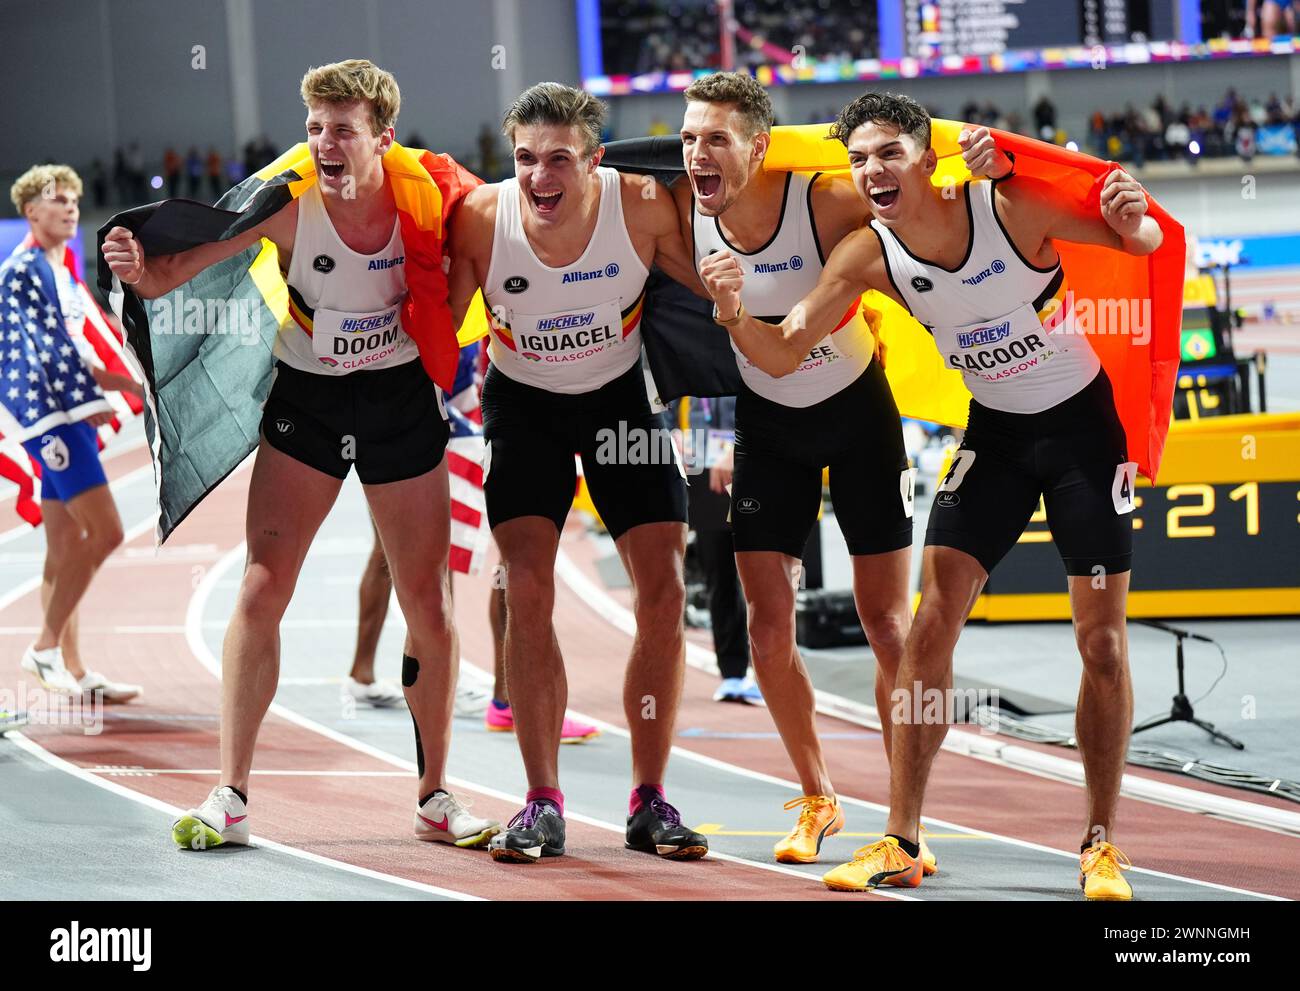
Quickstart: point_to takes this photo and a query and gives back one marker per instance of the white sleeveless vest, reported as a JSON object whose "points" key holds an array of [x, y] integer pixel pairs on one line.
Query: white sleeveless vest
{"points": [[777, 276], [344, 307], [571, 329], [1002, 322]]}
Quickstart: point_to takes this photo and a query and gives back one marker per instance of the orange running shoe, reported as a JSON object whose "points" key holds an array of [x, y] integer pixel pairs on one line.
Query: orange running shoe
{"points": [[882, 862], [821, 817], [1100, 874]]}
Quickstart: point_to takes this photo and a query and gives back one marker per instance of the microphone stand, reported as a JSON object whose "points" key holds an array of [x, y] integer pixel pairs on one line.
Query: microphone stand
{"points": [[1181, 711]]}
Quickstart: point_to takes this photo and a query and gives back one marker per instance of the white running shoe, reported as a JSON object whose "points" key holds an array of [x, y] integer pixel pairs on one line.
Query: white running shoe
{"points": [[471, 701], [50, 670], [221, 819], [114, 691], [442, 819], [380, 694]]}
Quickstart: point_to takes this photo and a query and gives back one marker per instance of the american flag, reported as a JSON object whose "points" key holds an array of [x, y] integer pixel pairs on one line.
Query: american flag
{"points": [[470, 535], [46, 340]]}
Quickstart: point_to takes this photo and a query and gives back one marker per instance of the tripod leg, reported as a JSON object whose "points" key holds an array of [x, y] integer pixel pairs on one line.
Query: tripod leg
{"points": [[1218, 735]]}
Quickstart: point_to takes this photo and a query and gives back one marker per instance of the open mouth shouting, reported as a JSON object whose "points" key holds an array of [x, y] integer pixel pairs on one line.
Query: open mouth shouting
{"points": [[331, 168], [884, 195], [708, 184], [546, 203]]}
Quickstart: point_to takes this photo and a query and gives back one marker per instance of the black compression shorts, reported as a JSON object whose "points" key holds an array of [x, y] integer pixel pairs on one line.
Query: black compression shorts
{"points": [[630, 466], [389, 422], [1074, 455], [780, 454]]}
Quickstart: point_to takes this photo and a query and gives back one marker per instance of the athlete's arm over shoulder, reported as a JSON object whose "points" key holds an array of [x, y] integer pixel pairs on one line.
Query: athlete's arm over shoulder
{"points": [[1035, 209], [653, 212], [779, 350], [838, 210], [469, 245], [153, 277]]}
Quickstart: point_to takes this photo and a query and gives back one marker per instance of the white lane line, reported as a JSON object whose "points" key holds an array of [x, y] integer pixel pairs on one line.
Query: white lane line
{"points": [[199, 648], [36, 750], [622, 619]]}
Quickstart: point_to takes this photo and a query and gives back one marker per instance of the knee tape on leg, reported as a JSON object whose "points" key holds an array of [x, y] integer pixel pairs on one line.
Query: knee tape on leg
{"points": [[410, 670]]}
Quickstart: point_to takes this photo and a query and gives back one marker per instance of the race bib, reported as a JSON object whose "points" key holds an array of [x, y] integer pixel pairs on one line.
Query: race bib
{"points": [[998, 350], [357, 340], [573, 335]]}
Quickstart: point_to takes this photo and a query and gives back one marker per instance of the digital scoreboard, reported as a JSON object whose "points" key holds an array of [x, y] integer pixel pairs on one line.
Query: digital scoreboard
{"points": [[1218, 535]]}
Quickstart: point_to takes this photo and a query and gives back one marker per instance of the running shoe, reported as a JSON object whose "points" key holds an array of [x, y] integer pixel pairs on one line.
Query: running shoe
{"points": [[221, 819], [443, 819], [380, 694], [929, 862], [50, 670], [500, 719], [471, 701], [820, 817], [536, 831], [114, 691], [738, 690], [882, 862], [656, 827], [11, 721], [1101, 877]]}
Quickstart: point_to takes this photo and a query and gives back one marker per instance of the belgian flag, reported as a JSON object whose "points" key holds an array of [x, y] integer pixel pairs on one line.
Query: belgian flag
{"points": [[690, 355], [206, 347]]}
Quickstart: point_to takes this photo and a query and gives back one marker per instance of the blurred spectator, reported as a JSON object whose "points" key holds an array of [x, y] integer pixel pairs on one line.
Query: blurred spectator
{"points": [[214, 173], [194, 171], [172, 172], [1045, 119], [99, 182]]}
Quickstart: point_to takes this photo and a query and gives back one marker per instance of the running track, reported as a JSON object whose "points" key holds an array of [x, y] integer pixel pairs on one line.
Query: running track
{"points": [[332, 795]]}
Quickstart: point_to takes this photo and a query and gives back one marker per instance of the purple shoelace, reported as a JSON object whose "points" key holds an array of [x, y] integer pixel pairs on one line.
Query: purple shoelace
{"points": [[528, 815]]}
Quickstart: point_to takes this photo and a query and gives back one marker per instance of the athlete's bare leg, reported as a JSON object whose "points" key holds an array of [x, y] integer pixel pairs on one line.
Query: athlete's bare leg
{"points": [[497, 621], [534, 666], [1104, 716], [417, 560], [373, 594], [89, 530], [881, 583], [63, 538], [951, 582], [769, 580], [279, 531], [653, 555]]}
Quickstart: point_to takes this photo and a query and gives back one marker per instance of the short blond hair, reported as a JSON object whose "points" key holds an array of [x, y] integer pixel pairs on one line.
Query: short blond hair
{"points": [[33, 183], [355, 79]]}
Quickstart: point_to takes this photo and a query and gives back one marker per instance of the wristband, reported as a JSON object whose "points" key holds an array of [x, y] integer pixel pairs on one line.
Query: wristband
{"points": [[729, 322]]}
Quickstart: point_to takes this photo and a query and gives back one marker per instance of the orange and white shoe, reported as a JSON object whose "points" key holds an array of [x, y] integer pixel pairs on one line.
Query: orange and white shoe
{"points": [[882, 862], [929, 863], [820, 817], [1101, 876]]}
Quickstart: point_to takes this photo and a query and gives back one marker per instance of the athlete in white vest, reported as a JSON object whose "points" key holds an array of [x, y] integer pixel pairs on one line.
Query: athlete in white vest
{"points": [[347, 389], [834, 410], [562, 252], [981, 270]]}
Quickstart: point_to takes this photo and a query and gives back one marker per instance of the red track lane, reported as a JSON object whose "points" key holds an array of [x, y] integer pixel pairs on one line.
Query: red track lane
{"points": [[365, 821], [973, 793]]}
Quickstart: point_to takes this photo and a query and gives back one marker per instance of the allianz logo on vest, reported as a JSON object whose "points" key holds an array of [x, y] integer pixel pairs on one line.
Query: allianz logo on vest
{"points": [[379, 264], [767, 268], [997, 268], [608, 272], [984, 335]]}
